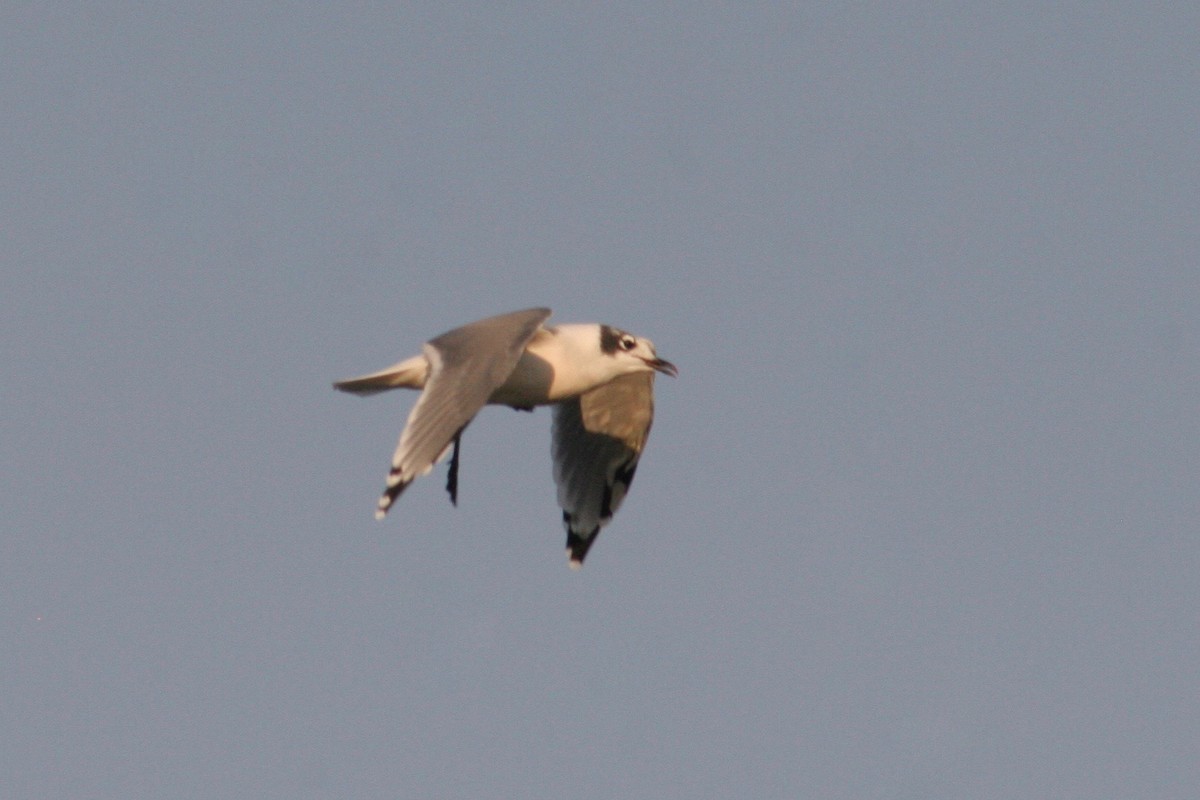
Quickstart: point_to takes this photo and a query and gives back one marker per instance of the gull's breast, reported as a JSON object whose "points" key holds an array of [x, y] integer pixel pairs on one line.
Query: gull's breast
{"points": [[530, 384]]}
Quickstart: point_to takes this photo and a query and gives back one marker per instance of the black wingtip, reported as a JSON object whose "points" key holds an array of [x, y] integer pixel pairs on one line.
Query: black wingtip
{"points": [[390, 493], [578, 546]]}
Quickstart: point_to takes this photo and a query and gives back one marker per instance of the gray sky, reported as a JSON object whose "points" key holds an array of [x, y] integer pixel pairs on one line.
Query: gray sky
{"points": [[917, 520]]}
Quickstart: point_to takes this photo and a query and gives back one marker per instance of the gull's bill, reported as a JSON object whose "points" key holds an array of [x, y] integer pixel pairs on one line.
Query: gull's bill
{"points": [[599, 379]]}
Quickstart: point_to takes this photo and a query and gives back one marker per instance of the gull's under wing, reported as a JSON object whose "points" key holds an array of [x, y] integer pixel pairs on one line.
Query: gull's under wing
{"points": [[597, 440], [466, 365]]}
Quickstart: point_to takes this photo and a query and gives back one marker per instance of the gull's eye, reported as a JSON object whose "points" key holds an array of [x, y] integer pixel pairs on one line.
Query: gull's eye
{"points": [[628, 343]]}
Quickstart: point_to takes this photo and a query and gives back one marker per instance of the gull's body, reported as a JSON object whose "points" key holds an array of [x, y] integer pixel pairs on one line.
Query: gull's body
{"points": [[599, 380]]}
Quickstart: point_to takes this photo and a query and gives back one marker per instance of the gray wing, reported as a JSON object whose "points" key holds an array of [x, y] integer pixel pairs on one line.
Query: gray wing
{"points": [[597, 440], [466, 365]]}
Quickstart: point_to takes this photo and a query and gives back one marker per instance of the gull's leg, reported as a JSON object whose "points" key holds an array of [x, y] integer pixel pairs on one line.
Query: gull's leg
{"points": [[452, 475]]}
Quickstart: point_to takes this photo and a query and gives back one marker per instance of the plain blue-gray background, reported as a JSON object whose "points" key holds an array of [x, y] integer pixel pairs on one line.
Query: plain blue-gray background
{"points": [[918, 519]]}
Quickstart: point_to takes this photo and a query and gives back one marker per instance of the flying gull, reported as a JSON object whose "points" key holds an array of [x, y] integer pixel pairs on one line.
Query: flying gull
{"points": [[599, 379]]}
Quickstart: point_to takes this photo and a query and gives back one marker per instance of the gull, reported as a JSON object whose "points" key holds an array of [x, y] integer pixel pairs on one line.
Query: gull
{"points": [[599, 380]]}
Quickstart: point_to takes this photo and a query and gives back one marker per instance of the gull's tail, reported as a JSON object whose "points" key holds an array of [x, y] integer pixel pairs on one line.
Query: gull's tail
{"points": [[408, 374]]}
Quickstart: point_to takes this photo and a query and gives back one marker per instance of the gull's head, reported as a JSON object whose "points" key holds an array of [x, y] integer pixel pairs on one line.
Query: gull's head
{"points": [[633, 353]]}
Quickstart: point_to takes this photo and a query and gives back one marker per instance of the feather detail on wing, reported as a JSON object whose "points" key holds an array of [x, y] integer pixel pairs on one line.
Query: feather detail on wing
{"points": [[597, 440], [466, 365]]}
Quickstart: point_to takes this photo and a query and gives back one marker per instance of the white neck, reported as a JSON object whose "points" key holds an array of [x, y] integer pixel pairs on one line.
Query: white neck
{"points": [[574, 353]]}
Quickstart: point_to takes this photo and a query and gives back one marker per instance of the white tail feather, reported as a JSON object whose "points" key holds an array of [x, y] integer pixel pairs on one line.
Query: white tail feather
{"points": [[408, 374]]}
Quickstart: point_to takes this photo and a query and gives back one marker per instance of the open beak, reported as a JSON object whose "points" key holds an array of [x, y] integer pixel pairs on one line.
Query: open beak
{"points": [[663, 366]]}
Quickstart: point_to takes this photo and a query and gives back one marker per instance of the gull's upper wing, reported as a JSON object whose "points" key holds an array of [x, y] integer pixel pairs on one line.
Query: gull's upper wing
{"points": [[597, 440], [466, 365]]}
